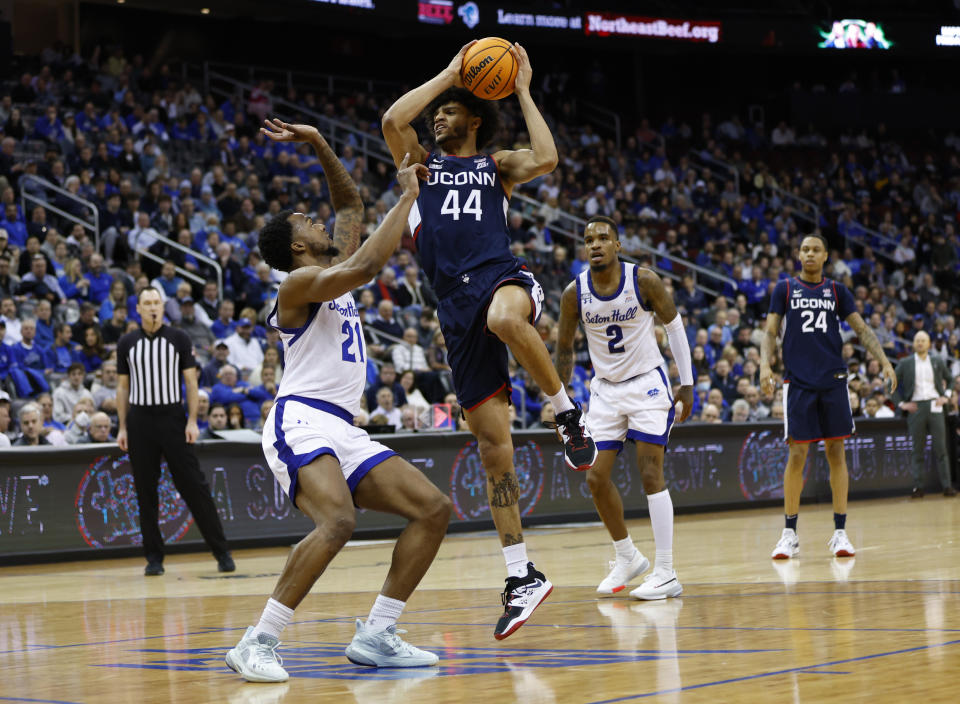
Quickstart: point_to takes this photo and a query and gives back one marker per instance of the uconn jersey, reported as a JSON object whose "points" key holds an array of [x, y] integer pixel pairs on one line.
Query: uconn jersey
{"points": [[619, 330], [459, 221], [325, 359], [811, 330]]}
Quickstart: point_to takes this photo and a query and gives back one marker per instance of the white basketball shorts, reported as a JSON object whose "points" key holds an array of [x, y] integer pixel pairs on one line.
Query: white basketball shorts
{"points": [[300, 429], [640, 409]]}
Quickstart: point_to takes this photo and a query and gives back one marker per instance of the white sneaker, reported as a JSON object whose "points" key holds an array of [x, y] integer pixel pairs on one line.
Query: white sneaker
{"points": [[622, 572], [255, 657], [788, 546], [840, 544], [386, 649], [659, 584]]}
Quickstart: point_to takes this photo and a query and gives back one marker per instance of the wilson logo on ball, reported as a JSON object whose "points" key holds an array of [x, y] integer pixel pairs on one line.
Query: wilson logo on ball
{"points": [[477, 69]]}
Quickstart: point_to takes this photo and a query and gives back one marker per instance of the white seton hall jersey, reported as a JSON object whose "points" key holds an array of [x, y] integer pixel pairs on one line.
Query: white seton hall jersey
{"points": [[325, 359], [619, 329]]}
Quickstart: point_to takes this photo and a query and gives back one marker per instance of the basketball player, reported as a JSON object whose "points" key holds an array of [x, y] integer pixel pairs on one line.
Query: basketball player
{"points": [[324, 463], [488, 299], [816, 405], [630, 395]]}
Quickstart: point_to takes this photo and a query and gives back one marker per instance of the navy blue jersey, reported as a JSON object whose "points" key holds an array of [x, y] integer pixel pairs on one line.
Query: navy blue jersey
{"points": [[459, 221], [811, 330]]}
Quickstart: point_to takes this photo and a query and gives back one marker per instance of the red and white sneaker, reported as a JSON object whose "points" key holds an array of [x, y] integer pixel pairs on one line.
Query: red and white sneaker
{"points": [[840, 544], [579, 449], [622, 572], [788, 546], [521, 597]]}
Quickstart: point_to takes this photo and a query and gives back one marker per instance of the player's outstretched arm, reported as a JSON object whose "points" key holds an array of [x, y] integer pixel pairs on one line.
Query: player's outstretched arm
{"points": [[654, 293], [311, 284], [566, 330], [343, 191], [525, 165], [398, 131], [869, 340], [767, 346]]}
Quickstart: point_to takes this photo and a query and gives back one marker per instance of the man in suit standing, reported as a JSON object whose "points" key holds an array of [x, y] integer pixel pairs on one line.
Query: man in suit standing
{"points": [[923, 389]]}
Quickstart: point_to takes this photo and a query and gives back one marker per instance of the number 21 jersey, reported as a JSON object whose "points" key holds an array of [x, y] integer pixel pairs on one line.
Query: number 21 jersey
{"points": [[459, 221], [812, 344]]}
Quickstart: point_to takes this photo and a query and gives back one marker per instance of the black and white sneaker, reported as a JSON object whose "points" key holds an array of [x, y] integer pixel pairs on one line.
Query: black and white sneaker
{"points": [[579, 449], [520, 597]]}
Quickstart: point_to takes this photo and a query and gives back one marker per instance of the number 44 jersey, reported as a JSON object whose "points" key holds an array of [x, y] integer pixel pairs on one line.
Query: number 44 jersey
{"points": [[812, 345], [325, 358], [619, 329], [459, 221]]}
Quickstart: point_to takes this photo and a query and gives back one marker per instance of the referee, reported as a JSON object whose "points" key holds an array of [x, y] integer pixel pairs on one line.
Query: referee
{"points": [[150, 362]]}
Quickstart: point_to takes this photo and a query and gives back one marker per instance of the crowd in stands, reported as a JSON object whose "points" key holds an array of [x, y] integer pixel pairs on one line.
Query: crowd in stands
{"points": [[160, 159]]}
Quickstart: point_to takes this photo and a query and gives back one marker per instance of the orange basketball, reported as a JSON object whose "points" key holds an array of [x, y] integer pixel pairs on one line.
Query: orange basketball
{"points": [[489, 69]]}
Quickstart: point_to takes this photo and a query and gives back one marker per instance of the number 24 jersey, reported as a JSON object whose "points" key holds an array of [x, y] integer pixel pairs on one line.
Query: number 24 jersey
{"points": [[811, 315]]}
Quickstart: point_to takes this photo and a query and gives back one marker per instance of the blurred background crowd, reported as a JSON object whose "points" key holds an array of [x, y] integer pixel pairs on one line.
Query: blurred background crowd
{"points": [[116, 175]]}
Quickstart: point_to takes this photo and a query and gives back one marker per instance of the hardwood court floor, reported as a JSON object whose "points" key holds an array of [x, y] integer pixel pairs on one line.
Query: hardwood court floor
{"points": [[883, 627]]}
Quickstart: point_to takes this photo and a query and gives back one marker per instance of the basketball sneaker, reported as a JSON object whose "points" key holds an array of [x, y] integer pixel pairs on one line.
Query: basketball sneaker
{"points": [[659, 584], [840, 544], [622, 572], [788, 545], [386, 649], [255, 657], [579, 449], [521, 597]]}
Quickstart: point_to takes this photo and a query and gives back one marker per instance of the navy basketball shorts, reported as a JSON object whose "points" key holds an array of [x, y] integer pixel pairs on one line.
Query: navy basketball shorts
{"points": [[477, 357], [810, 415]]}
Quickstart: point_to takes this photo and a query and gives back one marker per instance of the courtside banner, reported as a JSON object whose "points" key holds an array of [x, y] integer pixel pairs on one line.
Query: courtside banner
{"points": [[57, 503], [611, 24]]}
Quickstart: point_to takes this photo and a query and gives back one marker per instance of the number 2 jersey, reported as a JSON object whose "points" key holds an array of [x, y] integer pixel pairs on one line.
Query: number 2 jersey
{"points": [[325, 359], [812, 344], [619, 329], [459, 221]]}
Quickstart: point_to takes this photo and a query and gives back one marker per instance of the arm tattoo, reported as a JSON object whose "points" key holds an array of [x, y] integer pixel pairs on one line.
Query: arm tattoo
{"points": [[654, 293], [504, 492], [345, 199], [566, 330], [868, 339], [511, 539]]}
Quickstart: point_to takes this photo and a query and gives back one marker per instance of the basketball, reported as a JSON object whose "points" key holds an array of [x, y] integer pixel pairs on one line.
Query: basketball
{"points": [[489, 69]]}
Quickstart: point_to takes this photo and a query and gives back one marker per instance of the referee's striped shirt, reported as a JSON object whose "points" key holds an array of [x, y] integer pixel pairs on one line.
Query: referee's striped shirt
{"points": [[154, 364]]}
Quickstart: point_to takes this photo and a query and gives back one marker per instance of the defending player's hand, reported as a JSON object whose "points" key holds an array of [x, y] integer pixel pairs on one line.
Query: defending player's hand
{"points": [[409, 176], [280, 131], [456, 63], [524, 70], [685, 398], [889, 378]]}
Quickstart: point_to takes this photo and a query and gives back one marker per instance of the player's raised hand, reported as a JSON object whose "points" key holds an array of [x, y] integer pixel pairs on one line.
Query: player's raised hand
{"points": [[409, 176], [524, 70], [685, 401], [456, 63], [280, 131]]}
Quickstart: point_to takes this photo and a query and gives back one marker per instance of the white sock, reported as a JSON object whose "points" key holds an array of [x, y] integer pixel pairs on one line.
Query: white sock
{"points": [[661, 518], [625, 549], [516, 558], [384, 613], [274, 618], [561, 402]]}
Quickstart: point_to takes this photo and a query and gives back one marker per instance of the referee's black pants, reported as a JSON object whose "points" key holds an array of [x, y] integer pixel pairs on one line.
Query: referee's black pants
{"points": [[158, 431]]}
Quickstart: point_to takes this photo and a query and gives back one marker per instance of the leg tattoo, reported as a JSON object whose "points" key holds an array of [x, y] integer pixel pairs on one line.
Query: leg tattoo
{"points": [[510, 539], [506, 491]]}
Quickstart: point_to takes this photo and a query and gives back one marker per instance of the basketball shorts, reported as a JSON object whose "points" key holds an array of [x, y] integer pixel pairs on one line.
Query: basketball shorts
{"points": [[639, 409], [477, 357], [816, 414], [300, 429]]}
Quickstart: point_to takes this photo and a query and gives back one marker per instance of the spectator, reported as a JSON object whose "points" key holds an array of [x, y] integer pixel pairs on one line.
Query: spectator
{"points": [[271, 359], [100, 280], [200, 335], [409, 354], [386, 379], [30, 425], [710, 414], [386, 408], [115, 327], [385, 322], [79, 421], [98, 430], [45, 324], [245, 351], [70, 391], [105, 391], [224, 325], [5, 420], [235, 417], [88, 319], [92, 351], [758, 410], [740, 412], [231, 390], [11, 323], [211, 371], [37, 283], [266, 390], [28, 362], [217, 418]]}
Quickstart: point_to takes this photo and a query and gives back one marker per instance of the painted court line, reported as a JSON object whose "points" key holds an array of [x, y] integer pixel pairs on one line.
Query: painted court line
{"points": [[36, 701], [775, 673]]}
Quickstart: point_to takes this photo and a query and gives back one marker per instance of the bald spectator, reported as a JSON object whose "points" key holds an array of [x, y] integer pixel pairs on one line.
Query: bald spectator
{"points": [[758, 410], [710, 414]]}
